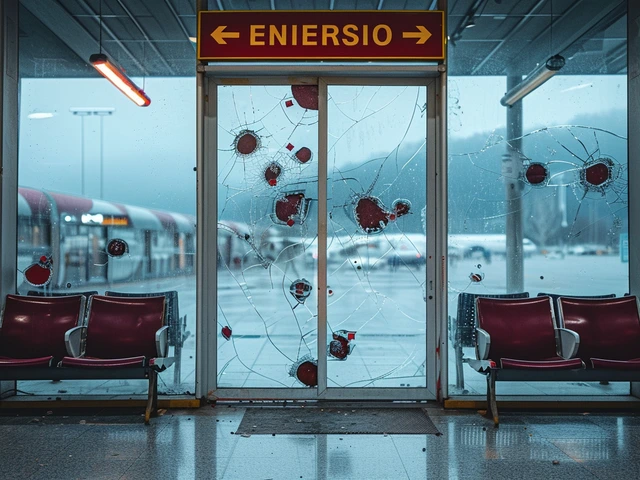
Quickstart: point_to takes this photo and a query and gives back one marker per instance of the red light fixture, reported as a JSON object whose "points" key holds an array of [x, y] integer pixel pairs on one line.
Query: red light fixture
{"points": [[112, 72]]}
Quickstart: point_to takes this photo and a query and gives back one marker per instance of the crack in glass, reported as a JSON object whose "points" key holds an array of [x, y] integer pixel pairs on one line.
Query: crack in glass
{"points": [[566, 188], [268, 245]]}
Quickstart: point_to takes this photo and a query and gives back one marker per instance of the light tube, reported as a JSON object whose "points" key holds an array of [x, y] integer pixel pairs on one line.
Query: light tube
{"points": [[117, 77], [533, 80]]}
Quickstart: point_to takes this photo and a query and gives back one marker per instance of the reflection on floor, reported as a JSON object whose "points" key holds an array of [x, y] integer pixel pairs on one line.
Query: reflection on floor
{"points": [[202, 444]]}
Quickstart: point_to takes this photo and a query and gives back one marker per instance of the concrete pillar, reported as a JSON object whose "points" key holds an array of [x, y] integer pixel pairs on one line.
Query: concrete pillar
{"points": [[511, 170], [8, 150]]}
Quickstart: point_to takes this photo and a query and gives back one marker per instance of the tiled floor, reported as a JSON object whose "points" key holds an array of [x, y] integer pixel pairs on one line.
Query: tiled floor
{"points": [[201, 444]]}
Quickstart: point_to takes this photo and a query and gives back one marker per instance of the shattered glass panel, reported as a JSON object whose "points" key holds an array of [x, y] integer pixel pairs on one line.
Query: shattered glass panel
{"points": [[267, 222], [567, 175], [376, 240], [106, 204]]}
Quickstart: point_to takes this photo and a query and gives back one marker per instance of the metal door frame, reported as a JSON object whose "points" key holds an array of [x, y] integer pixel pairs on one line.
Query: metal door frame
{"points": [[208, 78]]}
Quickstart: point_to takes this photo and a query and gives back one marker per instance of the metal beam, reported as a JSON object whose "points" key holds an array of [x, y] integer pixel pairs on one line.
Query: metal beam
{"points": [[57, 19], [146, 37], [512, 32], [106, 29], [65, 27], [180, 22], [633, 118], [568, 30], [466, 20], [9, 85]]}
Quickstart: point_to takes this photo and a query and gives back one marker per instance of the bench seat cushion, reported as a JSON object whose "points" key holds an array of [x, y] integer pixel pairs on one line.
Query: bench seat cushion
{"points": [[88, 362], [633, 364], [26, 362], [550, 364]]}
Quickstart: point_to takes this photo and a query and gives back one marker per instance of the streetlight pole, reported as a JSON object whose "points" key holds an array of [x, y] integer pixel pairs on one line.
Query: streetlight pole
{"points": [[83, 112]]}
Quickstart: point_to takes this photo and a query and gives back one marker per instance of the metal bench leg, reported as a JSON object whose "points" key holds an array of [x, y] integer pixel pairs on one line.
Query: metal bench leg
{"points": [[152, 399], [459, 367], [177, 366], [492, 406]]}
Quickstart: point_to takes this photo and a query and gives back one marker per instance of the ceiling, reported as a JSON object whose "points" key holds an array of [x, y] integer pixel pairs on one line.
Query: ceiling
{"points": [[151, 37]]}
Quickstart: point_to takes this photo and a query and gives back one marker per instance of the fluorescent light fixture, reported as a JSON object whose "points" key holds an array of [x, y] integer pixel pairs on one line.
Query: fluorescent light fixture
{"points": [[40, 115], [533, 80], [112, 72]]}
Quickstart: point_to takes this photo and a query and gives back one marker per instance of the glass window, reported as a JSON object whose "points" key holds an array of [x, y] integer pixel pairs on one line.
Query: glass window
{"points": [[376, 254], [107, 192], [267, 223], [560, 184]]}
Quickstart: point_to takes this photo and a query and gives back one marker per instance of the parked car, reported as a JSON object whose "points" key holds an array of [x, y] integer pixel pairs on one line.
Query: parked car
{"points": [[407, 249]]}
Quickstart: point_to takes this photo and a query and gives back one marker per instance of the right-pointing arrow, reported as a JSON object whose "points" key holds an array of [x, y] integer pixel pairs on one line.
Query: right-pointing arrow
{"points": [[219, 35], [422, 34]]}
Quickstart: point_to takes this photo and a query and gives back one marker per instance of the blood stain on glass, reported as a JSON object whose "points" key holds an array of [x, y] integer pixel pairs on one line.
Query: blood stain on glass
{"points": [[401, 206], [342, 344], [597, 173], [117, 247], [305, 370], [226, 332], [271, 173], [370, 214], [476, 277], [300, 289], [246, 142], [306, 96], [537, 174], [303, 155], [291, 208], [40, 273]]}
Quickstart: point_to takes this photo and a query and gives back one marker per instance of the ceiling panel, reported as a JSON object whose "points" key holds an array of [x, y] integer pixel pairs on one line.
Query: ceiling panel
{"points": [[151, 36]]}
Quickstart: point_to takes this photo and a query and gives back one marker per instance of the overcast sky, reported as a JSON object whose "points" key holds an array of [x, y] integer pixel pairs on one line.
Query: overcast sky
{"points": [[149, 153]]}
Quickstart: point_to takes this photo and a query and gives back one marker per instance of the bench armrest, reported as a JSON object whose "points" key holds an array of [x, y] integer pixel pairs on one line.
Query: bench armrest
{"points": [[483, 342], [73, 341], [569, 343], [161, 364], [162, 341]]}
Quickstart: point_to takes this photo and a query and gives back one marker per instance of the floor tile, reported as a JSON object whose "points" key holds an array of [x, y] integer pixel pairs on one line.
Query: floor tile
{"points": [[202, 443]]}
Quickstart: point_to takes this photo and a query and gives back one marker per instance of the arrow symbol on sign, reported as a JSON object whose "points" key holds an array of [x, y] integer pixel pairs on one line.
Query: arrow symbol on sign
{"points": [[422, 34], [219, 35]]}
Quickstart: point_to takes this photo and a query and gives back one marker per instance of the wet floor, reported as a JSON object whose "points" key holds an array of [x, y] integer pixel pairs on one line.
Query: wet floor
{"points": [[202, 444]]}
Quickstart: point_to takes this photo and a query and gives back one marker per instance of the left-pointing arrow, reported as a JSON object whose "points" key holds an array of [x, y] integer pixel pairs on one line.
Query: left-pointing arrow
{"points": [[219, 35], [422, 34]]}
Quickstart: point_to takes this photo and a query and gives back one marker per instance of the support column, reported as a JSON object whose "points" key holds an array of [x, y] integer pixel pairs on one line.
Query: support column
{"points": [[8, 151], [633, 116], [511, 169]]}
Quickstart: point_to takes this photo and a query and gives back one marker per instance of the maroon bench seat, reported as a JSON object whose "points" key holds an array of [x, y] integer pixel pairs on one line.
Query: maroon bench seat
{"points": [[33, 329], [518, 339], [521, 334], [609, 331], [122, 338], [120, 332]]}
